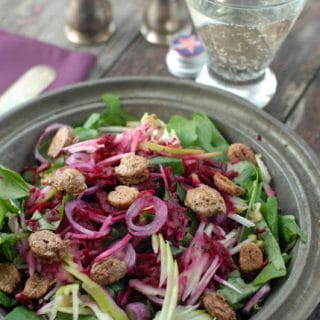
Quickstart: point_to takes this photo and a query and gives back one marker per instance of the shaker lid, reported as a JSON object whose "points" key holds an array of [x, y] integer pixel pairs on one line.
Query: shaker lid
{"points": [[186, 56]]}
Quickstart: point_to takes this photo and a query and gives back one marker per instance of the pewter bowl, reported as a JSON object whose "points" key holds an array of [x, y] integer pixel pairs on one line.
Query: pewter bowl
{"points": [[294, 167]]}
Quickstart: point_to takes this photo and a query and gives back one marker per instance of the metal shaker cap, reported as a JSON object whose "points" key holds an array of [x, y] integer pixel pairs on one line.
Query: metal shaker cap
{"points": [[186, 56]]}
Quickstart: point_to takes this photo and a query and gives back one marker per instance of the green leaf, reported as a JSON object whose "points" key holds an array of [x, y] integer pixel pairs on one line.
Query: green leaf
{"points": [[65, 199], [7, 301], [181, 192], [289, 231], [209, 136], [43, 223], [246, 171], [22, 313], [92, 121], [85, 134], [184, 128], [198, 132], [114, 115], [269, 211], [6, 206], [234, 298], [175, 164], [8, 244], [245, 232], [12, 185]]}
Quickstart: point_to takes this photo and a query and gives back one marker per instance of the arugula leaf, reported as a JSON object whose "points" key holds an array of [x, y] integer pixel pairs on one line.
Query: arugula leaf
{"points": [[234, 298], [269, 211], [289, 231], [175, 163], [22, 313], [184, 128], [114, 115], [7, 301], [12, 185]]}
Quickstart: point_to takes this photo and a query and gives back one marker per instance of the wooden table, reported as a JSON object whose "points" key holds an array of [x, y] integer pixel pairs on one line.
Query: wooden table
{"points": [[297, 65]]}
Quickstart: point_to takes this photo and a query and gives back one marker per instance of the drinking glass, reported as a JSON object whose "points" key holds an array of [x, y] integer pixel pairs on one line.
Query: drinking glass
{"points": [[241, 38]]}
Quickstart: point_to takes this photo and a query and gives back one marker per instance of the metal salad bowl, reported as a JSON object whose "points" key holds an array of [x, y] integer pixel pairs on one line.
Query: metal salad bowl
{"points": [[294, 167]]}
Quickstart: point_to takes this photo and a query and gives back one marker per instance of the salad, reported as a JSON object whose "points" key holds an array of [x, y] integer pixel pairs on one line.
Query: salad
{"points": [[134, 219]]}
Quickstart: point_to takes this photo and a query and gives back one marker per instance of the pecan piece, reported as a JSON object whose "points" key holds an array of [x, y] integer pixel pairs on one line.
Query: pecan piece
{"points": [[225, 184], [218, 307], [251, 257], [241, 152]]}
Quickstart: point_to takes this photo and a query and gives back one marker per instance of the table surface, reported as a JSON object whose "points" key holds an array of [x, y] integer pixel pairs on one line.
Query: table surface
{"points": [[297, 64]]}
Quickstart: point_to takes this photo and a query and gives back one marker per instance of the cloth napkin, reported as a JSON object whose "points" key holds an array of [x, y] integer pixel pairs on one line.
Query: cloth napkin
{"points": [[19, 53]]}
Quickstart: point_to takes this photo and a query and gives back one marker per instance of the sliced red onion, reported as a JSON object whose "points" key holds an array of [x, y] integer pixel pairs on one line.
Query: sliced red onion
{"points": [[137, 311], [160, 217], [89, 146], [114, 159], [69, 208], [114, 248], [45, 134], [80, 160], [128, 255], [259, 296], [104, 230]]}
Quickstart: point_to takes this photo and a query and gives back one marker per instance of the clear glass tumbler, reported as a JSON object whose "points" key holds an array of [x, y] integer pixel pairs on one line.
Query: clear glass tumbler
{"points": [[241, 38]]}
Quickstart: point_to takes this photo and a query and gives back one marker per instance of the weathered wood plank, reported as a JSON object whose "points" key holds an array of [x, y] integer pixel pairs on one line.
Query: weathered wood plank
{"points": [[305, 119], [141, 58], [297, 61], [44, 20]]}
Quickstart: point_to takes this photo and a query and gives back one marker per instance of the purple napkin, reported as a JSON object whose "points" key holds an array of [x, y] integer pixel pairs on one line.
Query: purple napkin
{"points": [[19, 53]]}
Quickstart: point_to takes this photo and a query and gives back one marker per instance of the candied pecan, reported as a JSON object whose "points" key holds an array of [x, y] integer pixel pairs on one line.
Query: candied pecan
{"points": [[37, 286], [251, 257], [225, 184], [217, 306], [108, 271], [62, 138], [10, 277], [241, 152]]}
